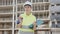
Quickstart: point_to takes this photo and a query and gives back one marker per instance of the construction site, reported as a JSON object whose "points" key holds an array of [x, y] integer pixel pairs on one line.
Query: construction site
{"points": [[46, 10]]}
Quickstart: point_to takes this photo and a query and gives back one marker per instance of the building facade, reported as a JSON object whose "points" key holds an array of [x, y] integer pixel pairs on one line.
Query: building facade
{"points": [[42, 9]]}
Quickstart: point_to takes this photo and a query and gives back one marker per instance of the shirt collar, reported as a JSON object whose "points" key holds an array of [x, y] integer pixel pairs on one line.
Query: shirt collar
{"points": [[26, 15]]}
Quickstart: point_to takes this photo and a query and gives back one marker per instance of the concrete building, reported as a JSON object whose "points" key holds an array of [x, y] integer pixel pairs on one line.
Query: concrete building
{"points": [[55, 15]]}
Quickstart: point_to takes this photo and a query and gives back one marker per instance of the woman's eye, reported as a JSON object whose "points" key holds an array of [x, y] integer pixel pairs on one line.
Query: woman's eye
{"points": [[27, 7]]}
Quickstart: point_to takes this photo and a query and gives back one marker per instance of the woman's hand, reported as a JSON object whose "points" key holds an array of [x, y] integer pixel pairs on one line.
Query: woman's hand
{"points": [[20, 24]]}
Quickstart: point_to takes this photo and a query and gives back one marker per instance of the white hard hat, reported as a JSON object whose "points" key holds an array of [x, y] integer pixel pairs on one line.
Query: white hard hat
{"points": [[27, 2]]}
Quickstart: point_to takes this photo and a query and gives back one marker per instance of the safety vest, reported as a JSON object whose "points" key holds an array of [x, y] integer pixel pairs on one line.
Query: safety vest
{"points": [[27, 20]]}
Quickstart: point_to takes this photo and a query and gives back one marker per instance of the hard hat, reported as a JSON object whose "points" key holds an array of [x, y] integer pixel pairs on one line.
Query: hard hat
{"points": [[27, 2]]}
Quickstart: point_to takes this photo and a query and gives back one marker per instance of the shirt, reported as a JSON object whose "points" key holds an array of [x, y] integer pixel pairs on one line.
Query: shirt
{"points": [[27, 20]]}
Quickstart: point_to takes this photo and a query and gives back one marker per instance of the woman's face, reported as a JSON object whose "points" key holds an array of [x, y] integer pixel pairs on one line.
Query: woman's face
{"points": [[27, 9]]}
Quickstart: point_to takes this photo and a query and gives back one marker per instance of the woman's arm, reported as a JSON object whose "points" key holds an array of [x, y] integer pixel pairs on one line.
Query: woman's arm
{"points": [[34, 28], [20, 24]]}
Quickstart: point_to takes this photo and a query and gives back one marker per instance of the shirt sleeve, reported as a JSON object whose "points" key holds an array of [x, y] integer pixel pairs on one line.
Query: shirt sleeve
{"points": [[21, 15], [34, 18]]}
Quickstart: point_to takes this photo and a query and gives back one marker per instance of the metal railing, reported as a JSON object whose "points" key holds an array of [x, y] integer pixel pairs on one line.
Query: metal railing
{"points": [[5, 11], [6, 2], [5, 19], [33, 1]]}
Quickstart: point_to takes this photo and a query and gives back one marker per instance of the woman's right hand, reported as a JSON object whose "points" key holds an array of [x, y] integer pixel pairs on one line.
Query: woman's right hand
{"points": [[21, 20], [19, 25]]}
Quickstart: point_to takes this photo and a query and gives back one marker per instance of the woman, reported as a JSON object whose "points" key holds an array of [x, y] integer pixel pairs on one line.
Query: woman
{"points": [[27, 19]]}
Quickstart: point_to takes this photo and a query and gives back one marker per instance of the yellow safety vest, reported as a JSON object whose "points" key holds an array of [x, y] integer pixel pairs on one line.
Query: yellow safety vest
{"points": [[27, 20]]}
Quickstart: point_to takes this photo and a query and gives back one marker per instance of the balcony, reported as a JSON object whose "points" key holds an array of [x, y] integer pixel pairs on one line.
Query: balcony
{"points": [[55, 9], [40, 7], [6, 2], [52, 17], [6, 12], [57, 17], [5, 19], [34, 1], [6, 32], [54, 25], [5, 25], [55, 1]]}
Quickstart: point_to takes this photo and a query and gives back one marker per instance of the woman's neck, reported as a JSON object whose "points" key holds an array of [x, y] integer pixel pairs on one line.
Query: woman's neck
{"points": [[28, 13]]}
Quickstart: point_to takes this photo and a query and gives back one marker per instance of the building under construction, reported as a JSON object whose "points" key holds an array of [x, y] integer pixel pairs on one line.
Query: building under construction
{"points": [[46, 10]]}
